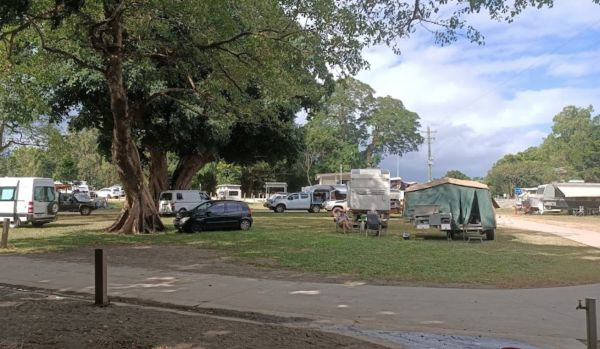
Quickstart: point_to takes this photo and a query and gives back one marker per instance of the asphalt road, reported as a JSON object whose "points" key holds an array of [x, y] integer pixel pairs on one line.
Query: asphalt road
{"points": [[536, 318]]}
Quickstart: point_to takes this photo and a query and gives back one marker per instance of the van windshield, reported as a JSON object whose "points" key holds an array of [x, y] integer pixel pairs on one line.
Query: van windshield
{"points": [[166, 196]]}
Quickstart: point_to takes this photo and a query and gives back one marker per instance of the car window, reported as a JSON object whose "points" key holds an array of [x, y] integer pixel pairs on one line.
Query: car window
{"points": [[303, 196], [7, 193], [50, 194], [232, 207], [179, 196], [204, 205], [166, 196], [218, 208], [43, 194]]}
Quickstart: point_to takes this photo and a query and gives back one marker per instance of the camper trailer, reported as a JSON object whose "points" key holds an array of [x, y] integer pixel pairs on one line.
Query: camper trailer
{"points": [[26, 200], [369, 190], [451, 205]]}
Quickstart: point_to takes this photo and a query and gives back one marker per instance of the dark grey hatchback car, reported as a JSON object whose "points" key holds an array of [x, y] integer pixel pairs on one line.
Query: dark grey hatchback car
{"points": [[215, 215]]}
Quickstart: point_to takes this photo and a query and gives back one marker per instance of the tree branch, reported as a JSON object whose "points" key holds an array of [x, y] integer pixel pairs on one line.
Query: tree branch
{"points": [[60, 52]]}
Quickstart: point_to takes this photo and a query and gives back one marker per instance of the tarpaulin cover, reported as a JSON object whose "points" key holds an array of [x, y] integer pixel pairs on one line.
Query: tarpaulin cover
{"points": [[466, 204]]}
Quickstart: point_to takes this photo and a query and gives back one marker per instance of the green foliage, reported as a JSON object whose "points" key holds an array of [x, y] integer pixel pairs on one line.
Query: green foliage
{"points": [[456, 174], [73, 156], [353, 129], [228, 173], [571, 150]]}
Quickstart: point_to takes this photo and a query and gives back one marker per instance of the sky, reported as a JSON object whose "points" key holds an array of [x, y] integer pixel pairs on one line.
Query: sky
{"points": [[484, 102]]}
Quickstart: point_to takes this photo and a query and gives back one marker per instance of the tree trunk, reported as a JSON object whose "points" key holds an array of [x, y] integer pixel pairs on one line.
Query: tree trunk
{"points": [[159, 174], [139, 214], [187, 167]]}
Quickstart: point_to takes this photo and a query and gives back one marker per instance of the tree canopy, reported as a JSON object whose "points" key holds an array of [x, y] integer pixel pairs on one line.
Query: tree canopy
{"points": [[354, 129], [148, 52], [571, 151]]}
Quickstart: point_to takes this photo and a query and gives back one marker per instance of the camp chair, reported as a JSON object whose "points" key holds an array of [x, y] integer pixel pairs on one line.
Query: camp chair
{"points": [[374, 223]]}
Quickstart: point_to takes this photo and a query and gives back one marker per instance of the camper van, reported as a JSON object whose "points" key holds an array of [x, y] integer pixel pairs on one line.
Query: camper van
{"points": [[229, 192], [173, 201], [28, 199]]}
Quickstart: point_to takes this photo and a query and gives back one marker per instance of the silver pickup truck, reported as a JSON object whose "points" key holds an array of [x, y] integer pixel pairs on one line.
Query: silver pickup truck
{"points": [[296, 201]]}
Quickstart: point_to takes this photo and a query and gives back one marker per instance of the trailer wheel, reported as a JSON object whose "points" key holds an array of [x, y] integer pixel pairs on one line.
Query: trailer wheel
{"points": [[490, 234]]}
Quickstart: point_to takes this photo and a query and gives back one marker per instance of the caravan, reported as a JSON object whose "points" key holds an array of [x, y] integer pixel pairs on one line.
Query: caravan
{"points": [[28, 199]]}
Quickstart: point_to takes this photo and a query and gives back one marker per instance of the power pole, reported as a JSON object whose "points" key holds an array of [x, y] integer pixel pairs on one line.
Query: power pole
{"points": [[429, 156]]}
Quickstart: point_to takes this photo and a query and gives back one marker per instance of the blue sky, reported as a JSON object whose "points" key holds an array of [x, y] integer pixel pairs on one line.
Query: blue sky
{"points": [[488, 101]]}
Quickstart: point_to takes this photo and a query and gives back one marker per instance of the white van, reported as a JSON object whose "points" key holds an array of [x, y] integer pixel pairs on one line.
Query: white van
{"points": [[173, 201], [28, 199]]}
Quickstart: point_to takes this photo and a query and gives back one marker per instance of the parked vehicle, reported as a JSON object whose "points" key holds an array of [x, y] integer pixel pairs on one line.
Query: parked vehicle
{"points": [[28, 199], [336, 206], [174, 201], [229, 192], [217, 214], [82, 203], [369, 190], [297, 201], [109, 193], [273, 198]]}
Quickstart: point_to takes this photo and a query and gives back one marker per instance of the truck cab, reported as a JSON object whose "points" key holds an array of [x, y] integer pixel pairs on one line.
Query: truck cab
{"points": [[297, 201]]}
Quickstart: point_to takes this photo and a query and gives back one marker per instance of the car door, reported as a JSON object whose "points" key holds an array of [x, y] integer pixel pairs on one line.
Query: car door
{"points": [[304, 200], [292, 202], [233, 213], [215, 216]]}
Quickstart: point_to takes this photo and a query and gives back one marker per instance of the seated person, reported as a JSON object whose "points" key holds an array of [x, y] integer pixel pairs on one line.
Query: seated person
{"points": [[343, 221]]}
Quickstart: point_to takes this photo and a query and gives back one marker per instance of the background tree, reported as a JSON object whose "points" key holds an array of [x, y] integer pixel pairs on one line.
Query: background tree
{"points": [[108, 37], [353, 129], [456, 174], [571, 151]]}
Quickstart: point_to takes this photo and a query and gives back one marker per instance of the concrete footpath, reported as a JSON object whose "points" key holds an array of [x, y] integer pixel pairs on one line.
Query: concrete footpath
{"points": [[544, 318]]}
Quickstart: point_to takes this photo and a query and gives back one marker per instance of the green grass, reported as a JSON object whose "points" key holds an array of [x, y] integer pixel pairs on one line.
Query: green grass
{"points": [[309, 243]]}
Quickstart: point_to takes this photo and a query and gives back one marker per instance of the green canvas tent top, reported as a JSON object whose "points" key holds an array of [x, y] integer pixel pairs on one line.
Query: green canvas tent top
{"points": [[469, 202]]}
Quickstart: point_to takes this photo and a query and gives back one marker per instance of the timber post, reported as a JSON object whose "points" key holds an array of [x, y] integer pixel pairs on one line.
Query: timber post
{"points": [[4, 239], [101, 294]]}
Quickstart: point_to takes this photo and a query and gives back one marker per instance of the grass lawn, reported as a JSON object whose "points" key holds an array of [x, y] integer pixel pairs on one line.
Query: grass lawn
{"points": [[308, 242]]}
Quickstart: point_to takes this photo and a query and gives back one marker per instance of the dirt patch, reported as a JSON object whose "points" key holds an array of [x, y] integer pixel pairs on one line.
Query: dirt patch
{"points": [[38, 320], [543, 239], [195, 260], [188, 259]]}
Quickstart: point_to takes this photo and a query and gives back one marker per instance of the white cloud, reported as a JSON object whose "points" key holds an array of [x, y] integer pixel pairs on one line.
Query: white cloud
{"points": [[488, 101]]}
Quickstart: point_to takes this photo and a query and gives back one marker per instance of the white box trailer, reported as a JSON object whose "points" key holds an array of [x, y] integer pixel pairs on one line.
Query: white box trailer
{"points": [[28, 199], [369, 190]]}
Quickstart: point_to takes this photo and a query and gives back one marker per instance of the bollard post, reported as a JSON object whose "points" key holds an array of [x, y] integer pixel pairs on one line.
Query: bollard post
{"points": [[4, 238], [100, 273], [590, 317]]}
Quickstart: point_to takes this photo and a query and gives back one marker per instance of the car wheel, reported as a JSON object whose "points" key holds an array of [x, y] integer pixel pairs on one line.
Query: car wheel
{"points": [[490, 234], [245, 224], [279, 208], [316, 208], [181, 210], [193, 227], [85, 211], [336, 211]]}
